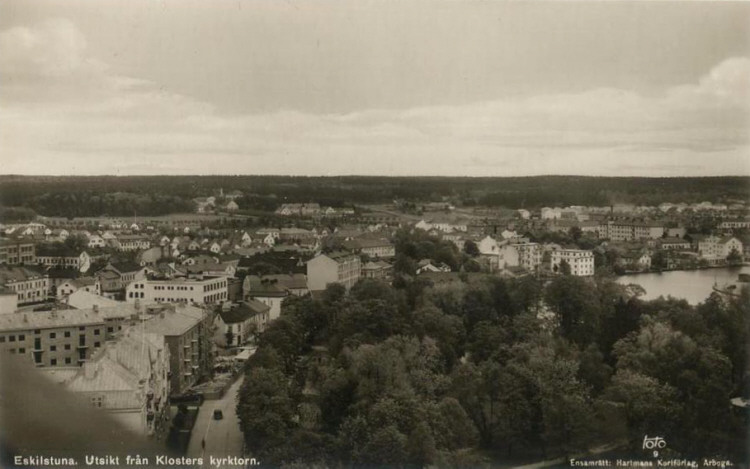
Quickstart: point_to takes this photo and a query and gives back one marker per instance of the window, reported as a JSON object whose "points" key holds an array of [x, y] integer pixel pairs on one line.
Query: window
{"points": [[21, 337], [2, 339], [52, 335], [96, 331], [67, 333], [67, 346], [82, 328], [37, 331], [53, 362], [97, 344], [53, 348], [67, 360], [12, 338], [22, 350], [110, 329]]}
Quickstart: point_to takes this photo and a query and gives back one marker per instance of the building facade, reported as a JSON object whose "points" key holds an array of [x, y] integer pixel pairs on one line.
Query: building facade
{"points": [[30, 285], [205, 290], [13, 252], [336, 267], [581, 262]]}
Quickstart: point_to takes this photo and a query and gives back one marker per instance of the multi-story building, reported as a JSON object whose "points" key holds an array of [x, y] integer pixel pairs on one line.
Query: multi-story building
{"points": [[529, 255], [63, 257], [335, 267], [187, 331], [267, 291], [673, 244], [630, 230], [114, 277], [716, 249], [236, 322], [17, 252], [735, 224], [376, 248], [128, 378], [581, 262], [62, 338], [30, 285], [200, 290], [132, 242]]}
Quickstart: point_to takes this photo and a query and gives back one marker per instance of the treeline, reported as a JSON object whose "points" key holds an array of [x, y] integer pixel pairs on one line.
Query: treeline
{"points": [[489, 370], [267, 192]]}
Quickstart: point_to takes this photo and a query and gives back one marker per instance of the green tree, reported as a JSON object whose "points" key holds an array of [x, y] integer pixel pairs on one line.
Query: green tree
{"points": [[266, 411]]}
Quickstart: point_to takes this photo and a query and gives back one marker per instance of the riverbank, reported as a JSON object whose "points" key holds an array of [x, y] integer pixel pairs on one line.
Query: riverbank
{"points": [[659, 271], [693, 285]]}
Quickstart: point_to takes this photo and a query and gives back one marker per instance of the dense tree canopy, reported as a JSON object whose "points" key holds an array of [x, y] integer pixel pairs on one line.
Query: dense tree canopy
{"points": [[490, 370]]}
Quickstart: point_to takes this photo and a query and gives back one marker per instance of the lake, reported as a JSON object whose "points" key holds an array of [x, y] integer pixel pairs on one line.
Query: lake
{"points": [[693, 285]]}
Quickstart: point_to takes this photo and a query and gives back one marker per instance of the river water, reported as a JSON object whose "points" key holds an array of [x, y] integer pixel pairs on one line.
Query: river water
{"points": [[693, 285]]}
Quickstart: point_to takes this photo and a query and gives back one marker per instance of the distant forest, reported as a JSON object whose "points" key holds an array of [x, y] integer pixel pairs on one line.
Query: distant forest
{"points": [[159, 195]]}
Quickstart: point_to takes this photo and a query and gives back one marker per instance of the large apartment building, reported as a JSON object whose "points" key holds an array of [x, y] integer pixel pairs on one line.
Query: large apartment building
{"points": [[128, 378], [187, 331], [200, 290], [61, 338], [529, 255], [581, 262], [630, 230], [335, 267], [14, 252], [31, 285]]}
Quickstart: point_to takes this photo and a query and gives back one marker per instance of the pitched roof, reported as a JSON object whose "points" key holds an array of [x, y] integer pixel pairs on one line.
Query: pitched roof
{"points": [[9, 274], [175, 321]]}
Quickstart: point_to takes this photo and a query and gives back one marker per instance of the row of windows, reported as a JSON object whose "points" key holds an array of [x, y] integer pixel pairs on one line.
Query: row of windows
{"points": [[171, 287], [29, 285], [12, 338], [172, 300], [215, 286]]}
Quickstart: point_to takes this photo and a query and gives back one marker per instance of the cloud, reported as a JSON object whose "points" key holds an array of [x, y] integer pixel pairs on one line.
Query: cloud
{"points": [[65, 111]]}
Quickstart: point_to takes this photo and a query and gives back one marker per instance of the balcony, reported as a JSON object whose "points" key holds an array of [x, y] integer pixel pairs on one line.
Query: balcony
{"points": [[82, 346]]}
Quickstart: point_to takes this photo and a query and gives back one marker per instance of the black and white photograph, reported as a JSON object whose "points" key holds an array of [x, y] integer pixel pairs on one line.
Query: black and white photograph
{"points": [[417, 234]]}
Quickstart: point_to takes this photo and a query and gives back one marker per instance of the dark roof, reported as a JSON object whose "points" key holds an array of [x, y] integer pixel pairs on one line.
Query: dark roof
{"points": [[237, 313], [56, 250], [126, 266], [257, 286], [17, 273]]}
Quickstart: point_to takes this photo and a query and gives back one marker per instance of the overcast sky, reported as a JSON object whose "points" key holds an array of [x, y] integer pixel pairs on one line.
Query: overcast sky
{"points": [[481, 88]]}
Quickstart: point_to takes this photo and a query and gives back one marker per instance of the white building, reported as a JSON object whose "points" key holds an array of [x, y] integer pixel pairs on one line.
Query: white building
{"points": [[336, 267], [206, 290], [581, 262]]}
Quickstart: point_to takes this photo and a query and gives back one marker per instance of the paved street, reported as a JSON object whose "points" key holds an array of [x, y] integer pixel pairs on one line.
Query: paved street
{"points": [[223, 437]]}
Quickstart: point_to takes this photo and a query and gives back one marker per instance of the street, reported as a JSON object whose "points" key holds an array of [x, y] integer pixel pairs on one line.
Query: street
{"points": [[222, 437]]}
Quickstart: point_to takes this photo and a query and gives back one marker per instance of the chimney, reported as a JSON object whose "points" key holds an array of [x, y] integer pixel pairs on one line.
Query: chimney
{"points": [[95, 308]]}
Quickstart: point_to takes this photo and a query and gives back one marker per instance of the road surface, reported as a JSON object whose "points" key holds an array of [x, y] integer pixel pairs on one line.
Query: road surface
{"points": [[223, 437]]}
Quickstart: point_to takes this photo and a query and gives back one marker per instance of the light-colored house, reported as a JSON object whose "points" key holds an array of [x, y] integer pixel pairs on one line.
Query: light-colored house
{"points": [[235, 322], [580, 261], [716, 249], [89, 284], [335, 267]]}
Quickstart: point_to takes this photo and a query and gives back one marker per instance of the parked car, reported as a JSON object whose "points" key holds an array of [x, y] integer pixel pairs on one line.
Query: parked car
{"points": [[218, 414]]}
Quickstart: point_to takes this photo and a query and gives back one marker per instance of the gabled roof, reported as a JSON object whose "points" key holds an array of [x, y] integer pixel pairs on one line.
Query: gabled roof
{"points": [[10, 274]]}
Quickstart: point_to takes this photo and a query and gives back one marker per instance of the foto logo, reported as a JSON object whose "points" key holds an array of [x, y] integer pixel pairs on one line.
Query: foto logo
{"points": [[654, 443]]}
